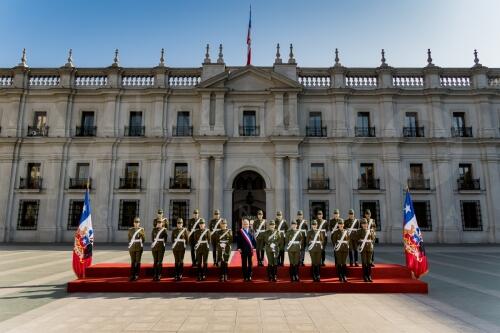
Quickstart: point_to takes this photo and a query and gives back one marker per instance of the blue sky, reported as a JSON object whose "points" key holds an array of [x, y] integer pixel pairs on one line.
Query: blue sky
{"points": [[451, 28]]}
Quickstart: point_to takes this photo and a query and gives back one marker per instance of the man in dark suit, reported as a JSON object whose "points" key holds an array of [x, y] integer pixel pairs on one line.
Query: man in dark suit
{"points": [[246, 244]]}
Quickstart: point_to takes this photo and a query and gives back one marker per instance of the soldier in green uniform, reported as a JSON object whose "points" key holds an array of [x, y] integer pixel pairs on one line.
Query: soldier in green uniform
{"points": [[161, 218], [136, 239], [223, 240], [315, 243], [351, 224], [340, 241], [272, 239], [201, 241], [260, 227], [366, 238], [373, 226], [293, 243], [333, 224], [323, 226], [282, 228], [214, 226], [159, 236], [193, 225], [180, 237], [302, 226]]}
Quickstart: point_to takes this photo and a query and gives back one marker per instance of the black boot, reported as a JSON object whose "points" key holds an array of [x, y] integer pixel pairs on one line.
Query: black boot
{"points": [[365, 273], [199, 273], [181, 268], [269, 273], [222, 272], [344, 272], [160, 269], [291, 273], [369, 273], [275, 273], [176, 271], [155, 273], [315, 273], [338, 268], [132, 272], [205, 271], [297, 273], [137, 271], [323, 257]]}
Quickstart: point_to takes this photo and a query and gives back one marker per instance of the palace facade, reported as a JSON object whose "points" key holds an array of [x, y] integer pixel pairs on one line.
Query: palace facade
{"points": [[243, 138]]}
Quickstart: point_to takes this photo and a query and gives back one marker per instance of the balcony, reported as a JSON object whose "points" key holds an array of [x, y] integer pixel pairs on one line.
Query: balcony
{"points": [[318, 184], [130, 183], [134, 130], [368, 132], [31, 183], [182, 130], [85, 130], [468, 184], [38, 130], [249, 130], [316, 131], [368, 184], [463, 132], [419, 184], [413, 132], [178, 183], [79, 183]]}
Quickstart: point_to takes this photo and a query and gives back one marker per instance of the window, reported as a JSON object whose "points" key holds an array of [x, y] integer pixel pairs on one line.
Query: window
{"points": [[33, 178], [82, 170], [135, 124], [416, 171], [465, 171], [129, 209], [179, 209], [33, 171], [181, 179], [367, 177], [75, 211], [471, 215], [86, 127], [28, 214], [132, 170], [249, 127], [458, 120], [315, 206], [423, 214], [318, 179], [40, 120], [373, 206], [315, 127], [411, 120], [183, 127], [363, 120]]}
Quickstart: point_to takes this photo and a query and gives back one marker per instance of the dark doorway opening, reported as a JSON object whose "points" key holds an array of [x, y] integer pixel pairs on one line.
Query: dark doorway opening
{"points": [[248, 197]]}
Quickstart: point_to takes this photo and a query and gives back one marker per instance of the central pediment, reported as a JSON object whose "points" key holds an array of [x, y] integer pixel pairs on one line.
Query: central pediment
{"points": [[250, 78]]}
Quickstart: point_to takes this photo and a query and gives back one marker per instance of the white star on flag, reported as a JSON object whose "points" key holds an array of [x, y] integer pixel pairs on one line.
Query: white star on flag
{"points": [[407, 209]]}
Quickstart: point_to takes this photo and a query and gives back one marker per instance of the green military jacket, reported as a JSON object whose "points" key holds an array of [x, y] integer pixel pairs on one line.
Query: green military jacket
{"points": [[332, 223], [223, 240], [310, 238], [360, 236], [182, 239], [203, 242], [162, 238], [213, 226], [257, 224], [272, 240], [293, 245], [324, 230], [302, 228], [191, 225], [337, 237], [136, 244], [165, 222]]}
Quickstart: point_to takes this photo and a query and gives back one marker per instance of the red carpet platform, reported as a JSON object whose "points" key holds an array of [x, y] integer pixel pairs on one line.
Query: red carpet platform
{"points": [[113, 277]]}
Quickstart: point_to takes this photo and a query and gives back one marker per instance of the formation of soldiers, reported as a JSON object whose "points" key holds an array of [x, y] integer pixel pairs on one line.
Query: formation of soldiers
{"points": [[350, 238]]}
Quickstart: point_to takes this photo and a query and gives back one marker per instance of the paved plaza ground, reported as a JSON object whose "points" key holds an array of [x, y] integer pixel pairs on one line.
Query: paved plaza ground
{"points": [[464, 296]]}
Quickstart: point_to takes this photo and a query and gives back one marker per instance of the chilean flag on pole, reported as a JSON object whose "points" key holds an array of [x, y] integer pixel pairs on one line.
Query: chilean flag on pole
{"points": [[84, 240], [249, 40], [416, 260]]}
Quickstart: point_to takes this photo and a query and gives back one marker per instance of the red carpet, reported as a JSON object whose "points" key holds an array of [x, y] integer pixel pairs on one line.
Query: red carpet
{"points": [[113, 277]]}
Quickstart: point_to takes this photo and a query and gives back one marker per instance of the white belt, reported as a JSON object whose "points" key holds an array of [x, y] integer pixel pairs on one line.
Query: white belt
{"points": [[203, 242], [137, 241], [223, 242], [295, 242], [319, 242], [181, 240], [343, 242], [369, 241]]}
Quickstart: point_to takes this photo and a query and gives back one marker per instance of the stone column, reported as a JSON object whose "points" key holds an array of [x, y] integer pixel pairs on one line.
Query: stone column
{"points": [[293, 127], [203, 192], [219, 114], [491, 181], [219, 185], [278, 113], [486, 124], [279, 201], [387, 125], [340, 123], [294, 186], [205, 114], [436, 118]]}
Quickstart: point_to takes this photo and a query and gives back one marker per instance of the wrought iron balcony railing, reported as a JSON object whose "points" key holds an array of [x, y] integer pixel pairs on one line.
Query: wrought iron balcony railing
{"points": [[468, 184], [38, 130], [80, 183], [316, 131], [318, 184], [182, 130], [130, 183], [180, 183], [464, 132], [419, 183], [134, 130], [368, 184], [249, 130], [413, 132], [364, 131], [31, 183], [85, 130]]}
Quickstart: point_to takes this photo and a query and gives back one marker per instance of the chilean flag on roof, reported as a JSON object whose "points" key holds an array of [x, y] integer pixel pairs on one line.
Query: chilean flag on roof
{"points": [[84, 240], [249, 39], [416, 260]]}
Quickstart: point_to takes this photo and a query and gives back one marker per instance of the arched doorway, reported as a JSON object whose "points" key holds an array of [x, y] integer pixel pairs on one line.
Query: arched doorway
{"points": [[248, 196]]}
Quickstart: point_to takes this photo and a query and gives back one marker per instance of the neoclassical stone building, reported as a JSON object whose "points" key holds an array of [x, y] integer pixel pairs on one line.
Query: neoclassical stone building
{"points": [[242, 138]]}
